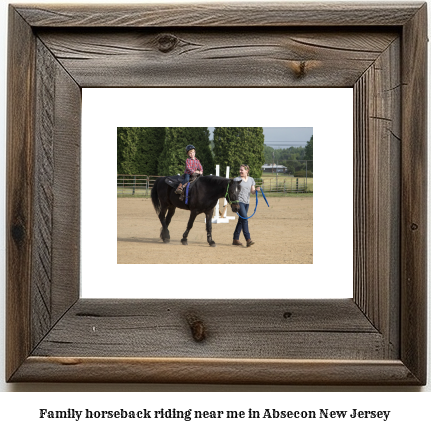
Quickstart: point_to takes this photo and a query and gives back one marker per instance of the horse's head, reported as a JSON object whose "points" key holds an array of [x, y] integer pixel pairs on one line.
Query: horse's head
{"points": [[233, 190]]}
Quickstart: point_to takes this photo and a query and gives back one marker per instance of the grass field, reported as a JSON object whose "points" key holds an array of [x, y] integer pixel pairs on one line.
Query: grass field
{"points": [[272, 179]]}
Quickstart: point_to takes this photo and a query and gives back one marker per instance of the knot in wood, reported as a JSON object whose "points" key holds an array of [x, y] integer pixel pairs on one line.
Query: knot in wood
{"points": [[18, 233], [167, 42], [300, 69], [197, 327], [414, 226]]}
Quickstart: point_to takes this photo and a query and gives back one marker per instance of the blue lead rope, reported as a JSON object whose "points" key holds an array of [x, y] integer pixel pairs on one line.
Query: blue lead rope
{"points": [[264, 196], [246, 218]]}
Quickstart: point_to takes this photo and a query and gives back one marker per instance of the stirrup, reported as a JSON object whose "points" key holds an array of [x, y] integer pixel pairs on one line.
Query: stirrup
{"points": [[179, 190]]}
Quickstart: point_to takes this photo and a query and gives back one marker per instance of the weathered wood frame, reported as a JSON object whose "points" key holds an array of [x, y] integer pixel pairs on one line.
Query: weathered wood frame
{"points": [[378, 337]]}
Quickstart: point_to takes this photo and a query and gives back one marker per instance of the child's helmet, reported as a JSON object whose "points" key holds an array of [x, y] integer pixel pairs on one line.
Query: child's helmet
{"points": [[190, 147]]}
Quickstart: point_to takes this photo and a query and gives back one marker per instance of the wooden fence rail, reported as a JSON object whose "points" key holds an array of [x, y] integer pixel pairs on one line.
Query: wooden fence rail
{"points": [[141, 185]]}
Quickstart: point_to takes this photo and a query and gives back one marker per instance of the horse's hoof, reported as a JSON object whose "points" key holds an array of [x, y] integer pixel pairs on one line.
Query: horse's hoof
{"points": [[166, 240], [213, 244], [184, 242]]}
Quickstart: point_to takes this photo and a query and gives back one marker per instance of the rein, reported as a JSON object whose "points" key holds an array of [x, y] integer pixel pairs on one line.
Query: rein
{"points": [[246, 218]]}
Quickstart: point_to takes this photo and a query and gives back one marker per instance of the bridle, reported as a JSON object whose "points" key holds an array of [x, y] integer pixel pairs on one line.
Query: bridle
{"points": [[233, 202], [227, 197]]}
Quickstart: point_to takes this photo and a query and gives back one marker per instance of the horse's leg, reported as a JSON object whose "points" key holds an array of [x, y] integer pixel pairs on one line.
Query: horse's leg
{"points": [[193, 215], [209, 226], [171, 213], [164, 234]]}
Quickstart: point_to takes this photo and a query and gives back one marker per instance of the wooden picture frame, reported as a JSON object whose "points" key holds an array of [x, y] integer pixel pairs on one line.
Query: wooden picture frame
{"points": [[376, 338]]}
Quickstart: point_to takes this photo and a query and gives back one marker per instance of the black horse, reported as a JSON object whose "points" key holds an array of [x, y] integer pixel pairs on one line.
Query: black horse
{"points": [[203, 195]]}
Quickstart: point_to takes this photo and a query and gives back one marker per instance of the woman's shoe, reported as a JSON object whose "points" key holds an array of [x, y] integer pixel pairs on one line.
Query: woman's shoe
{"points": [[236, 242], [249, 243]]}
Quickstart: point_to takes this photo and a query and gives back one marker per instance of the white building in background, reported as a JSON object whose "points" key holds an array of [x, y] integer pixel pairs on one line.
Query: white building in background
{"points": [[274, 168]]}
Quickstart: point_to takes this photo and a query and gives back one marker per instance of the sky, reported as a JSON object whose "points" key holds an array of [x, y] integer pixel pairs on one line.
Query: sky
{"points": [[283, 137]]}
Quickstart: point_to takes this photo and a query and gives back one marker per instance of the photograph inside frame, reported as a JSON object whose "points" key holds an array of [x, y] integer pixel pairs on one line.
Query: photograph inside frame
{"points": [[229, 188]]}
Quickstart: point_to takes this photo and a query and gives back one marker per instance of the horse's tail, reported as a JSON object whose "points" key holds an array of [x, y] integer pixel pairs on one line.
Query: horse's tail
{"points": [[155, 196]]}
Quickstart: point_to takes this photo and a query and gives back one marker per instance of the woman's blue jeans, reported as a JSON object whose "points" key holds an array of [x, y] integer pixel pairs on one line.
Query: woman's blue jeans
{"points": [[242, 224]]}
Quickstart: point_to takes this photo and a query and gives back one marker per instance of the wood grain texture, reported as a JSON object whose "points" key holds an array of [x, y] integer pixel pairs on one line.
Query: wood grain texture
{"points": [[43, 180], [67, 198], [210, 57], [215, 371], [234, 329], [221, 14], [20, 194], [414, 194], [57, 193], [44, 195], [377, 101], [378, 337]]}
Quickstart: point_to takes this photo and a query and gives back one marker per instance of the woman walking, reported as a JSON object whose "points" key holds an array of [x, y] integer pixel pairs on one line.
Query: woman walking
{"points": [[247, 186]]}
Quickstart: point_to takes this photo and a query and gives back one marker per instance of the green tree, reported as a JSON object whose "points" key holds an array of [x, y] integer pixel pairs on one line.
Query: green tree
{"points": [[309, 149], [288, 157], [226, 148], [126, 151], [254, 142], [172, 158], [309, 154], [234, 146], [268, 153], [121, 138], [138, 149], [151, 142]]}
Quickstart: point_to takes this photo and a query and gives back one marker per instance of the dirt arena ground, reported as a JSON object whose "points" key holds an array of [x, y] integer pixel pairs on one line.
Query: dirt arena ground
{"points": [[283, 233]]}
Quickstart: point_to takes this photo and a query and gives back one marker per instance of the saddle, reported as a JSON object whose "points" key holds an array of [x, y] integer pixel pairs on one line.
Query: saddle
{"points": [[175, 180]]}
